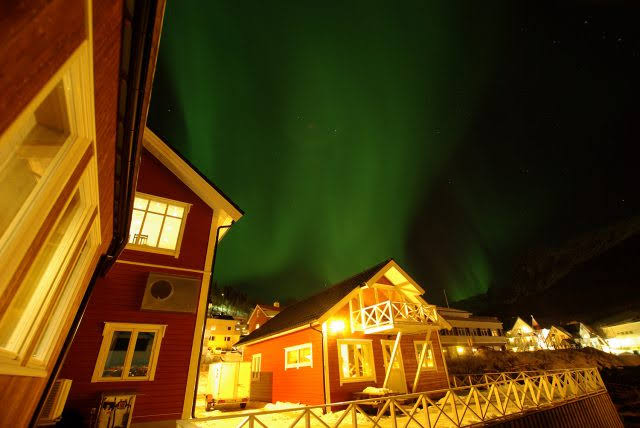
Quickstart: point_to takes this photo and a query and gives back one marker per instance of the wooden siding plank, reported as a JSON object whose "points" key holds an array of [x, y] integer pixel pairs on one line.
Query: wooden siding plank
{"points": [[303, 385], [117, 298]]}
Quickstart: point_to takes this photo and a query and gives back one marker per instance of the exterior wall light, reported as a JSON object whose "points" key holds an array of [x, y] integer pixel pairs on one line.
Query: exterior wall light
{"points": [[336, 326]]}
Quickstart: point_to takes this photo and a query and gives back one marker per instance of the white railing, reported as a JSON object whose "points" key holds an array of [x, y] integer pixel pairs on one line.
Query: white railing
{"points": [[460, 380], [388, 313], [453, 407]]}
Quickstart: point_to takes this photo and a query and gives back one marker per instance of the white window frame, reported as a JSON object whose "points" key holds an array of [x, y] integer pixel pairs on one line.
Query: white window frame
{"points": [[297, 349], [107, 335], [256, 366], [150, 249], [53, 330], [76, 78], [417, 352], [369, 354]]}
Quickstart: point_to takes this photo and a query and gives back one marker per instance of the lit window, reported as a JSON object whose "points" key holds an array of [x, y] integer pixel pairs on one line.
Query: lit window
{"points": [[48, 219], [46, 278], [256, 363], [356, 360], [298, 356], [257, 325], [128, 352], [51, 332], [157, 224], [429, 362], [28, 154]]}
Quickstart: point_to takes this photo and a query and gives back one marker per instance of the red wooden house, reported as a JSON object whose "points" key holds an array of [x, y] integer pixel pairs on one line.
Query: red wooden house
{"points": [[368, 330], [142, 330], [75, 83], [261, 314]]}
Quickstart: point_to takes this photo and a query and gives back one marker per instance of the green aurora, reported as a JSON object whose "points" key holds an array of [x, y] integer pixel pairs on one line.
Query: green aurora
{"points": [[358, 131]]}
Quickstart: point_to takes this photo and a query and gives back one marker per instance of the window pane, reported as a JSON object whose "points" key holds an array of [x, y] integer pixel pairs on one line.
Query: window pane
{"points": [[31, 295], [142, 354], [428, 358], [170, 232], [60, 311], [175, 211], [157, 207], [348, 361], [25, 155], [134, 230], [305, 355], [292, 357], [117, 353], [140, 203], [151, 229]]}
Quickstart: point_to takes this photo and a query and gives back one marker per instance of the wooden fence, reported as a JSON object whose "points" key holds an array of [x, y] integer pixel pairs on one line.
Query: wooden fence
{"points": [[481, 403]]}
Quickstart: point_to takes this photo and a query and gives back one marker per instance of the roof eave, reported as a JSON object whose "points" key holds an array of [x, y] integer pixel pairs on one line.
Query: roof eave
{"points": [[190, 176]]}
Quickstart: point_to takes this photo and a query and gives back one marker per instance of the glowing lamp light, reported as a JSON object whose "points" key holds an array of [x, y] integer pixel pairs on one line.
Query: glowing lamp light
{"points": [[336, 326], [460, 350]]}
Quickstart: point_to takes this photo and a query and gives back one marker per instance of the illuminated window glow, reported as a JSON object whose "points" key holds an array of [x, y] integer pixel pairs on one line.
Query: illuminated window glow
{"points": [[356, 360], [157, 223], [298, 356], [429, 362], [256, 364]]}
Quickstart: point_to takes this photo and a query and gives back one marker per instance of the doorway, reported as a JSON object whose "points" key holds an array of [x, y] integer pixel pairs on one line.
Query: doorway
{"points": [[397, 381]]}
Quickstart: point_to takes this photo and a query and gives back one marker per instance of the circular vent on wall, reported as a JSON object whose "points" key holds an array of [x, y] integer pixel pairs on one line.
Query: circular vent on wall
{"points": [[161, 290]]}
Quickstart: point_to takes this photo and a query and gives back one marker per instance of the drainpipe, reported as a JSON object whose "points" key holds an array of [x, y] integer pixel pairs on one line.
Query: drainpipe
{"points": [[324, 389], [204, 326]]}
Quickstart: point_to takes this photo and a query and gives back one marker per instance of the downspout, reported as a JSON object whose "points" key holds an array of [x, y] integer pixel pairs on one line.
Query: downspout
{"points": [[324, 389], [204, 326]]}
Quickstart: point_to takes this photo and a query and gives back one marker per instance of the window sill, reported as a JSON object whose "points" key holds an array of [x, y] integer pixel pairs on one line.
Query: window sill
{"points": [[16, 370], [115, 379], [297, 367], [154, 250]]}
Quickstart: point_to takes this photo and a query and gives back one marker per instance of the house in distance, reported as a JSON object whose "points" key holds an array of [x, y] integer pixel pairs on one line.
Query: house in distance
{"points": [[261, 314], [372, 329], [222, 332], [470, 333]]}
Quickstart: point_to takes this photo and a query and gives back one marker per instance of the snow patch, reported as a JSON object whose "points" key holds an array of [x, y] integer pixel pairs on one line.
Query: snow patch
{"points": [[372, 390]]}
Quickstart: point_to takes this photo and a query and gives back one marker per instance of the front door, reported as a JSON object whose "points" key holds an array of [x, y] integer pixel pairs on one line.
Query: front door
{"points": [[397, 381]]}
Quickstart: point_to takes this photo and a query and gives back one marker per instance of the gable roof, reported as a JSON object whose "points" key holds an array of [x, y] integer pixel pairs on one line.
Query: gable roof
{"points": [[190, 176], [269, 310], [561, 330], [309, 310], [520, 321]]}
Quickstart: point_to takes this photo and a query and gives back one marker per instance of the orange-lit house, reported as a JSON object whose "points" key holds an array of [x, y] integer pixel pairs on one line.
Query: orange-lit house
{"points": [[142, 330], [368, 330]]}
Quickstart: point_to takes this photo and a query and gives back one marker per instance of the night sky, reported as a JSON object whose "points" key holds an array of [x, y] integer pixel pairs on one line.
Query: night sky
{"points": [[451, 136]]}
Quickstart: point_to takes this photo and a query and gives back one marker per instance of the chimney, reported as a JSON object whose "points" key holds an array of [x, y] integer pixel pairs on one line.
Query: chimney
{"points": [[276, 304]]}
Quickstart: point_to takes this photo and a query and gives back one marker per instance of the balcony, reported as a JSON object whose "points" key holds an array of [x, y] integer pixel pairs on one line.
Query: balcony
{"points": [[391, 317]]}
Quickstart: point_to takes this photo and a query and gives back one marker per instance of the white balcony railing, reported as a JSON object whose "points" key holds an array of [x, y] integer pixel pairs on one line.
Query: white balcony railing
{"points": [[388, 315]]}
